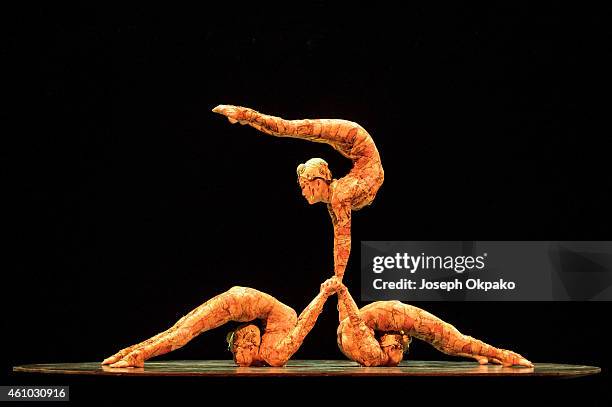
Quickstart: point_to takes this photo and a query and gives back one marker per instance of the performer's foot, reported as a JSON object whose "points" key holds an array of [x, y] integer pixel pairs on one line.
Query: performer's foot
{"points": [[133, 359], [233, 113], [508, 358], [118, 356]]}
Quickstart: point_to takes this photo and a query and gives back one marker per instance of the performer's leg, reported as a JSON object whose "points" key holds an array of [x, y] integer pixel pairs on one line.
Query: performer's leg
{"points": [[212, 314], [446, 338]]}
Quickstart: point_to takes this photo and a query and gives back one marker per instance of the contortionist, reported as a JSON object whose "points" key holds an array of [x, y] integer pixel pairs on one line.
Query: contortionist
{"points": [[342, 196]]}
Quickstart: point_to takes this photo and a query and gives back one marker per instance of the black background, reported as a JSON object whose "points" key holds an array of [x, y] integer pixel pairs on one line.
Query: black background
{"points": [[134, 203]]}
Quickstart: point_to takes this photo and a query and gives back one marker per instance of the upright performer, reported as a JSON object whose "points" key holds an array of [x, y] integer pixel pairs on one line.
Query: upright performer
{"points": [[342, 196]]}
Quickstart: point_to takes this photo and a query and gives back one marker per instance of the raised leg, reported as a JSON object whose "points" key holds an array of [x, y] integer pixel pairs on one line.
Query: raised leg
{"points": [[212, 314]]}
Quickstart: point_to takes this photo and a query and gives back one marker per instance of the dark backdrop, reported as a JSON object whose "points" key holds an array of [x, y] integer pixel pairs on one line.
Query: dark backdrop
{"points": [[135, 203]]}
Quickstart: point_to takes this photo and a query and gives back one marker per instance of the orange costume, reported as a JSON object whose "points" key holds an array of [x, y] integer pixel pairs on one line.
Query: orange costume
{"points": [[379, 333], [349, 193], [283, 334]]}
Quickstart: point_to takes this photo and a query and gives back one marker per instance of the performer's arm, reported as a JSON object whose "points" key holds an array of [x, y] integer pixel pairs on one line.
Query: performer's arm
{"points": [[357, 340], [292, 342], [340, 213], [347, 306]]}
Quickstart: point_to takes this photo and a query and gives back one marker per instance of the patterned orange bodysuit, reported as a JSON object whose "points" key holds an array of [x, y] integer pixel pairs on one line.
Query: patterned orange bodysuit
{"points": [[349, 193], [358, 329], [283, 334]]}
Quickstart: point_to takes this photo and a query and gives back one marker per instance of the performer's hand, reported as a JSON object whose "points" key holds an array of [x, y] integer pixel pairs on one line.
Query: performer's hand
{"points": [[233, 113], [331, 285]]}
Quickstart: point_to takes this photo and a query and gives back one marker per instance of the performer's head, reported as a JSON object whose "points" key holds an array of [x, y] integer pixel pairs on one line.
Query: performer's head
{"points": [[244, 343], [314, 178], [394, 345]]}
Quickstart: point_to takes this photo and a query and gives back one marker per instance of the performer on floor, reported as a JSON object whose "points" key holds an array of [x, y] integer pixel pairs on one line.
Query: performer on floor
{"points": [[379, 334], [283, 330]]}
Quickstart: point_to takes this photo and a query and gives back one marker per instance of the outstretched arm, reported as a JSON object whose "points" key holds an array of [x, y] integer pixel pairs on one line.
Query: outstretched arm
{"points": [[340, 213], [292, 342], [340, 134]]}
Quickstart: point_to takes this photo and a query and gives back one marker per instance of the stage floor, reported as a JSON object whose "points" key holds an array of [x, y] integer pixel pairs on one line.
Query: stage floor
{"points": [[226, 368]]}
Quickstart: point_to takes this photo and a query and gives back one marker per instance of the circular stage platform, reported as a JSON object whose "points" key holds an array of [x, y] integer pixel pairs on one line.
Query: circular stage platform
{"points": [[227, 368]]}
